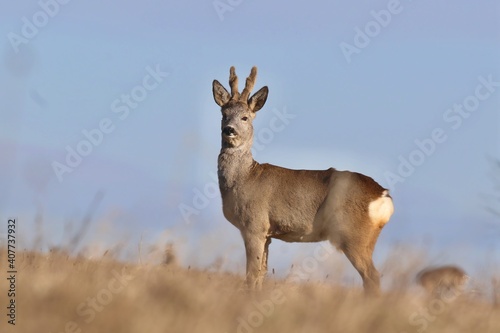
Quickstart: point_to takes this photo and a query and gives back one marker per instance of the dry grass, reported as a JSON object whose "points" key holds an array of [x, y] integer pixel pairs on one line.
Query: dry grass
{"points": [[56, 291]]}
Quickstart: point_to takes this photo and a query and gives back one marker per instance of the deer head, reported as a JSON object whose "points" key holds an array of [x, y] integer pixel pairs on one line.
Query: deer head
{"points": [[238, 110]]}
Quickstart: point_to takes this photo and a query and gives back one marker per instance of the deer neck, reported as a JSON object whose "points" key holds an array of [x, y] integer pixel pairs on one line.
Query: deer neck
{"points": [[234, 165]]}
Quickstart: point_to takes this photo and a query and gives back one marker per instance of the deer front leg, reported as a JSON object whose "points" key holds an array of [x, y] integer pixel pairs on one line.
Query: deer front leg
{"points": [[255, 246], [263, 266]]}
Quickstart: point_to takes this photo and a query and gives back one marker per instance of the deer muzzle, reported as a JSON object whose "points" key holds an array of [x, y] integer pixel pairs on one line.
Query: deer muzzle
{"points": [[229, 131]]}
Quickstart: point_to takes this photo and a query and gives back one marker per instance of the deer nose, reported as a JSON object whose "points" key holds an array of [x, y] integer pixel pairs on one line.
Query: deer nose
{"points": [[228, 130]]}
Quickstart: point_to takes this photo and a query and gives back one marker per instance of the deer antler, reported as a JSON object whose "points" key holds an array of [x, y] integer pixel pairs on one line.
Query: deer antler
{"points": [[249, 85], [233, 82]]}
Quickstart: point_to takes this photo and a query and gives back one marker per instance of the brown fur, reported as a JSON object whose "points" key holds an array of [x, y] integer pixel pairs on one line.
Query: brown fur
{"points": [[265, 201], [436, 280]]}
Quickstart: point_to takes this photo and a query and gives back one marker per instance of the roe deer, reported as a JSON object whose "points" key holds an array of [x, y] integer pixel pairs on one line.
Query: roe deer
{"points": [[443, 279], [265, 201]]}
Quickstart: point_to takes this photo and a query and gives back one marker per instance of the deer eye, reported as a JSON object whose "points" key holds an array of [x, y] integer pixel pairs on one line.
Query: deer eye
{"points": [[244, 118]]}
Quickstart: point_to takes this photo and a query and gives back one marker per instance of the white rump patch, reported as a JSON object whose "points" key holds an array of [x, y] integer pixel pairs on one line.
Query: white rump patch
{"points": [[380, 210]]}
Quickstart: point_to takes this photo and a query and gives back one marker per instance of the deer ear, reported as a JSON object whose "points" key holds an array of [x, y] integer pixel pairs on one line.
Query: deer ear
{"points": [[257, 101], [221, 96]]}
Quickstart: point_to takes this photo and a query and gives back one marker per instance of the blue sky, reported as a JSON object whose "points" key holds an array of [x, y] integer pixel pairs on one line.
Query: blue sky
{"points": [[363, 114]]}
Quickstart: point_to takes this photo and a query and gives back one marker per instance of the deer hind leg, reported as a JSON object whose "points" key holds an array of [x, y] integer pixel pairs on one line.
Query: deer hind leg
{"points": [[256, 248], [362, 261], [359, 251]]}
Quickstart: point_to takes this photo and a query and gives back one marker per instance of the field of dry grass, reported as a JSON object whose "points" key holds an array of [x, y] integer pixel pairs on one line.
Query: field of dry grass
{"points": [[58, 293]]}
